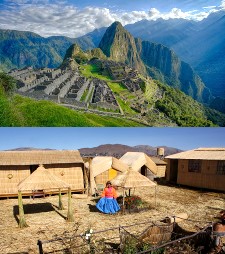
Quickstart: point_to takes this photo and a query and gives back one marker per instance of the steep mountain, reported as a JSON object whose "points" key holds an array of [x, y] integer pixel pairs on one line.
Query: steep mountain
{"points": [[19, 49], [201, 44], [154, 59], [119, 45], [118, 150]]}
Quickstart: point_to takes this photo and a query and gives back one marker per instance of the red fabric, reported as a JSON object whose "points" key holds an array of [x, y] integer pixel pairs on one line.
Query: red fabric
{"points": [[109, 192]]}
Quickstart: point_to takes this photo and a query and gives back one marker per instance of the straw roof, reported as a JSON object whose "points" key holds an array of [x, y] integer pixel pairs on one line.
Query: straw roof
{"points": [[119, 165], [158, 161], [132, 179], [200, 154], [138, 159], [102, 163], [41, 179], [39, 157]]}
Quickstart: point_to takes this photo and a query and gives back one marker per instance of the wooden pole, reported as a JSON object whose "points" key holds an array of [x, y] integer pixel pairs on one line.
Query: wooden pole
{"points": [[39, 243], [70, 217], [86, 180], [123, 208], [60, 201], [92, 184], [22, 221]]}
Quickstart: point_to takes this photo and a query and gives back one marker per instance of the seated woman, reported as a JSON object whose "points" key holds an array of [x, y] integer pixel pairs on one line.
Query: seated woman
{"points": [[108, 203], [219, 230]]}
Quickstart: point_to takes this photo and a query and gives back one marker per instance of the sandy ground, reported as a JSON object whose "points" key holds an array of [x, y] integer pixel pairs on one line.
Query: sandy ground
{"points": [[47, 222]]}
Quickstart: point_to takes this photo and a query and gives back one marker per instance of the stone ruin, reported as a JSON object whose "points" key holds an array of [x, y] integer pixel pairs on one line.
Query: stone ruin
{"points": [[65, 86]]}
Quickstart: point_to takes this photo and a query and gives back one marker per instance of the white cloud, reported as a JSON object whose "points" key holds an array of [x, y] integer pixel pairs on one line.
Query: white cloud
{"points": [[222, 4], [60, 18], [210, 7]]}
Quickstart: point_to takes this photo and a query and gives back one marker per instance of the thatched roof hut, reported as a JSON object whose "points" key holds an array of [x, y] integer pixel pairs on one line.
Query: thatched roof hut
{"points": [[132, 179], [41, 179], [15, 166], [140, 162], [103, 169], [102, 163], [202, 167]]}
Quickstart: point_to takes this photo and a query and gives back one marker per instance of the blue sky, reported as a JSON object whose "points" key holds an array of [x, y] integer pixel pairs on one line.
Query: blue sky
{"points": [[75, 138], [76, 18]]}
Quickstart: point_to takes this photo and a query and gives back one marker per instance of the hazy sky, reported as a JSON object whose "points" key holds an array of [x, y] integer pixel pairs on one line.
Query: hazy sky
{"points": [[75, 138], [76, 18]]}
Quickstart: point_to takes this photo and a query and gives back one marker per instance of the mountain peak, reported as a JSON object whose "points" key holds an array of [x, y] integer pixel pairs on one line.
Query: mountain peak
{"points": [[119, 45], [117, 25], [73, 50]]}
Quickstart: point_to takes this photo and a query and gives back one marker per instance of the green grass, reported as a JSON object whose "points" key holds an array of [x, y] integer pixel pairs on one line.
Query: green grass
{"points": [[84, 95], [20, 111], [126, 107], [93, 71], [117, 87]]}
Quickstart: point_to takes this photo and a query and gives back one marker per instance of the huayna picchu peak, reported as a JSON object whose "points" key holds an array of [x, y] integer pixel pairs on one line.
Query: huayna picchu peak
{"points": [[119, 45]]}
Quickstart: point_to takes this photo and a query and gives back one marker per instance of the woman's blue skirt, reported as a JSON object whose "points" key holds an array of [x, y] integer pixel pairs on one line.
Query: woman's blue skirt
{"points": [[108, 205]]}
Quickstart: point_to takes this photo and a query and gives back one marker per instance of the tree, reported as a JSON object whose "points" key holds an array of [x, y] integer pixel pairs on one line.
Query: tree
{"points": [[8, 83]]}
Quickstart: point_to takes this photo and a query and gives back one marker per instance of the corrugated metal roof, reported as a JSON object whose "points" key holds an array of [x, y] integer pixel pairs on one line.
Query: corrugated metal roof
{"points": [[200, 154], [39, 157]]}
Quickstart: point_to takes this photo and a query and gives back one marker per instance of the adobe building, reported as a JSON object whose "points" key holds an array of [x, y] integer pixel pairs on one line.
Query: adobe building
{"points": [[202, 168]]}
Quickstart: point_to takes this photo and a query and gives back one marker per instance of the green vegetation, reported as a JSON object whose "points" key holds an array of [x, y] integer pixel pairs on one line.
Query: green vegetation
{"points": [[181, 109], [84, 95], [22, 111], [18, 111], [7, 83], [94, 71]]}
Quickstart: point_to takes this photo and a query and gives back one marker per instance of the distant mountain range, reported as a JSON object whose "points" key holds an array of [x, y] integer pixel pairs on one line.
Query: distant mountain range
{"points": [[28, 149], [118, 150], [115, 150]]}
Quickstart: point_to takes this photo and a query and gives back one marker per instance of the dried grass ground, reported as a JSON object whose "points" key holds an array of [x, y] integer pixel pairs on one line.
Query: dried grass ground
{"points": [[46, 222]]}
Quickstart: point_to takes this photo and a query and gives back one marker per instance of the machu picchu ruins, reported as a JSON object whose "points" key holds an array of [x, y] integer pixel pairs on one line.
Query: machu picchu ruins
{"points": [[65, 86], [69, 86]]}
